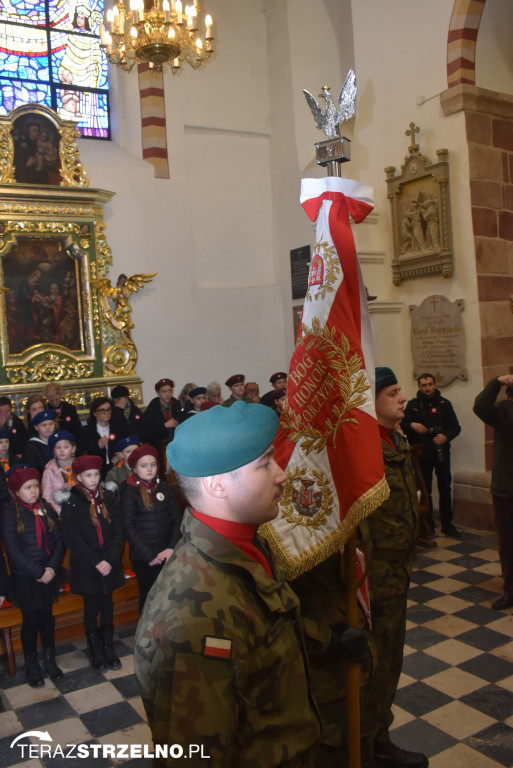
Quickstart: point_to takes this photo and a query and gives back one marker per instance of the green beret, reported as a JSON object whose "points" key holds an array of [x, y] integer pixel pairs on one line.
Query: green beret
{"points": [[222, 439], [385, 377]]}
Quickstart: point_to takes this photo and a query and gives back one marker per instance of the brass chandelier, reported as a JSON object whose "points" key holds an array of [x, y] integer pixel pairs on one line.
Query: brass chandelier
{"points": [[162, 34]]}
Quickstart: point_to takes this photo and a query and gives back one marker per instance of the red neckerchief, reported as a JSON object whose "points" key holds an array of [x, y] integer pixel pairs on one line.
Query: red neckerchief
{"points": [[386, 435], [94, 498], [41, 532], [242, 535], [151, 487]]}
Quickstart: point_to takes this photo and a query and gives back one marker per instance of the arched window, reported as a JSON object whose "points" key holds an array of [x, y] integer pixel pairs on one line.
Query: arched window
{"points": [[50, 54]]}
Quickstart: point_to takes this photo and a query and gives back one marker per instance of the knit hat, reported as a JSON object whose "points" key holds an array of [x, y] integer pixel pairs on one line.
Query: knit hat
{"points": [[385, 377], [142, 450], [222, 439], [83, 463]]}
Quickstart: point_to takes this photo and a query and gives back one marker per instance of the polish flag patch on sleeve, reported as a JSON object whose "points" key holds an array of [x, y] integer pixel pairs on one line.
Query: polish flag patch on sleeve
{"points": [[217, 647]]}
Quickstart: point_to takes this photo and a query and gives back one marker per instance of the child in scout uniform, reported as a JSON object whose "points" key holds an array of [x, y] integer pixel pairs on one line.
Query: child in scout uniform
{"points": [[37, 452], [58, 474], [34, 548], [7, 458], [151, 518], [120, 471], [93, 532]]}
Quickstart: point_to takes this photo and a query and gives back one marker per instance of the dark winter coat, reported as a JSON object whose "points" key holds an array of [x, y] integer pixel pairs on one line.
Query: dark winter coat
{"points": [[149, 531], [434, 412], [88, 441], [153, 429], [134, 417], [85, 551], [19, 434], [24, 556], [69, 419], [499, 415]]}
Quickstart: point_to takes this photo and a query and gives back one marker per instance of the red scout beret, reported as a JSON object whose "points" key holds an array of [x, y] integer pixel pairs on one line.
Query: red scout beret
{"points": [[237, 378], [163, 383], [83, 463]]}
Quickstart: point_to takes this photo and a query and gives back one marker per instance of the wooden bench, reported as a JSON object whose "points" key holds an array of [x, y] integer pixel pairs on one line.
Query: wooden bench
{"points": [[68, 614]]}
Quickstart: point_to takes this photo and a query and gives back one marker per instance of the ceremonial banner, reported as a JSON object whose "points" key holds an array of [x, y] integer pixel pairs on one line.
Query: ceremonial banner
{"points": [[328, 440]]}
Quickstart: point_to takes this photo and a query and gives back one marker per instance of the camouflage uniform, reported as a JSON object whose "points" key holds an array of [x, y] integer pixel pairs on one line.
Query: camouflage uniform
{"points": [[393, 530], [252, 708], [232, 399]]}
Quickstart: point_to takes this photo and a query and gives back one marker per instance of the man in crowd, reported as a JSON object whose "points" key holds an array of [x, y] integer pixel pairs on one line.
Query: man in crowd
{"points": [[219, 654], [279, 381], [499, 415], [236, 384], [393, 531], [429, 419], [161, 416], [125, 408]]}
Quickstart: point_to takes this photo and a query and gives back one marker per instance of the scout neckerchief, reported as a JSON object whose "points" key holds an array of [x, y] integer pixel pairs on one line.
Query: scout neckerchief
{"points": [[68, 475], [41, 532], [5, 464], [94, 499], [151, 487]]}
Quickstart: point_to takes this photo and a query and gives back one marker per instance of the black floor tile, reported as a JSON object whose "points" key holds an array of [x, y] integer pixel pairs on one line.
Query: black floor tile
{"points": [[65, 648], [421, 613], [491, 668], [127, 686], [474, 594], [423, 577], [483, 638], [422, 594], [423, 637], [494, 701], [424, 561], [19, 678], [43, 713], [122, 649], [12, 756], [420, 736], [79, 678], [496, 742], [468, 561], [418, 699], [421, 665], [471, 576], [126, 632], [478, 614], [115, 717], [466, 547]]}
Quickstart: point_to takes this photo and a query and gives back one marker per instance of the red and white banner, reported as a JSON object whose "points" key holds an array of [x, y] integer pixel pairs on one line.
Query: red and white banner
{"points": [[328, 440]]}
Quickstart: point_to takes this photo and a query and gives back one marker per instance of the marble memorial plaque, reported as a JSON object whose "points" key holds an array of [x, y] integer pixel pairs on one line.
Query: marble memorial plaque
{"points": [[438, 339], [299, 268]]}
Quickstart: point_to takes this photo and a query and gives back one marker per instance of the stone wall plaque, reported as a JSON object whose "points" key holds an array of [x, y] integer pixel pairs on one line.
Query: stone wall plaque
{"points": [[299, 268], [438, 339]]}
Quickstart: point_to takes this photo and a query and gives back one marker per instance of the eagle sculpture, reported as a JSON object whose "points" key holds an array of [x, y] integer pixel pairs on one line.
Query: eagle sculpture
{"points": [[330, 120]]}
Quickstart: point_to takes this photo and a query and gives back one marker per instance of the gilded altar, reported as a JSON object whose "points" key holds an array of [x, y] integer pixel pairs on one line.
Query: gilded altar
{"points": [[61, 318]]}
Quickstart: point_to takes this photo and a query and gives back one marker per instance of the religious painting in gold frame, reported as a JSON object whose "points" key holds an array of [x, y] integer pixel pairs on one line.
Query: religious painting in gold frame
{"points": [[45, 317]]}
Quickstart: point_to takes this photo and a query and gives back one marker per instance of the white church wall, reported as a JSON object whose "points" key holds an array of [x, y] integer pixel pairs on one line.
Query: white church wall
{"points": [[400, 57], [494, 49]]}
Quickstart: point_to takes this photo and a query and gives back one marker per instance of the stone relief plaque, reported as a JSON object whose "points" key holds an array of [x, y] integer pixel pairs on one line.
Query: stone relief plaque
{"points": [[421, 221], [438, 339]]}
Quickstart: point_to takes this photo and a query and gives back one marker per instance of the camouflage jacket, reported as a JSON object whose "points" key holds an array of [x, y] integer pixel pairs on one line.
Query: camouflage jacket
{"points": [[220, 660], [394, 526]]}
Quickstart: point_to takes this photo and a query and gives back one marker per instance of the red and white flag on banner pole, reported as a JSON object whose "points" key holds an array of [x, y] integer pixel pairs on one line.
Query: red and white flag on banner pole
{"points": [[328, 441]]}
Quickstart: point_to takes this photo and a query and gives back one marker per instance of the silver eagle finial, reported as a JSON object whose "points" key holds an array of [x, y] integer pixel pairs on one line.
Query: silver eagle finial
{"points": [[330, 120]]}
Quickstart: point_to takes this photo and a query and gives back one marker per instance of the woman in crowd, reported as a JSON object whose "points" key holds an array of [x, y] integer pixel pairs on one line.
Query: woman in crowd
{"points": [[101, 433], [34, 405], [34, 547], [151, 517], [93, 532]]}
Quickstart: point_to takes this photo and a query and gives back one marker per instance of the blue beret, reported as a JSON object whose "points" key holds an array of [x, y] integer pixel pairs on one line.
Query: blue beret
{"points": [[125, 442], [222, 439], [5, 434], [44, 416], [62, 434], [385, 377], [198, 391]]}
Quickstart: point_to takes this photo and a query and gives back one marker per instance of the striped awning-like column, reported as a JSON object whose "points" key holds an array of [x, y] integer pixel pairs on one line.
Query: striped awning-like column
{"points": [[461, 43], [153, 120]]}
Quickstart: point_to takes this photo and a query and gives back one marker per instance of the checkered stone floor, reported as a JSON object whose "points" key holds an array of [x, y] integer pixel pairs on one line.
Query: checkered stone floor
{"points": [[454, 703]]}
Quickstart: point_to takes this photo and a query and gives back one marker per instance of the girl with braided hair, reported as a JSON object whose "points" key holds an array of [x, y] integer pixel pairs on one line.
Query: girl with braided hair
{"points": [[34, 548], [93, 532]]}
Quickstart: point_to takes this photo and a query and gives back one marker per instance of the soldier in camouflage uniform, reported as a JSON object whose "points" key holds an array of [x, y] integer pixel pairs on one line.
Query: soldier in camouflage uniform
{"points": [[393, 529], [219, 654]]}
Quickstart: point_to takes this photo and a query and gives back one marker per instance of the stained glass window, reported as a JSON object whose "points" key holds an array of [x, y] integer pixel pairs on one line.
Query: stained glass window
{"points": [[50, 54]]}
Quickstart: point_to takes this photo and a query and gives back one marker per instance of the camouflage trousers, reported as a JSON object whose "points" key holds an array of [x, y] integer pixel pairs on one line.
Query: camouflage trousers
{"points": [[388, 632]]}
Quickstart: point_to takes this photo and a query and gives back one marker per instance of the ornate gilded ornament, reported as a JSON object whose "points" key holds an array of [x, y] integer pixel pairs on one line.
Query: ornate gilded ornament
{"points": [[6, 155], [327, 382], [72, 170], [307, 499], [49, 367], [120, 352]]}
